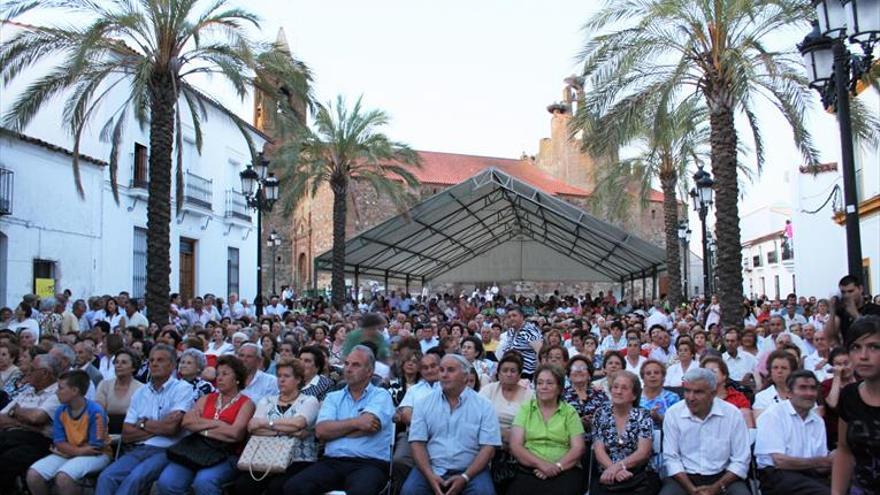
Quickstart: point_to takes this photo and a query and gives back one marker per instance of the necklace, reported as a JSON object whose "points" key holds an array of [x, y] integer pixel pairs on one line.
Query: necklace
{"points": [[219, 407]]}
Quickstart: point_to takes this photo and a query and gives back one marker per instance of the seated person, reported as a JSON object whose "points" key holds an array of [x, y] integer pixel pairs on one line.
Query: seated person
{"points": [[705, 441], [114, 394], [80, 441], [222, 415], [258, 383], [26, 422], [355, 422], [623, 439], [152, 424], [290, 413], [453, 436], [547, 438], [726, 392], [790, 446], [429, 371]]}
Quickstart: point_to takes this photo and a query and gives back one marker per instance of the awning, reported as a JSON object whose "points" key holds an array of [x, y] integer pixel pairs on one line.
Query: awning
{"points": [[494, 227]]}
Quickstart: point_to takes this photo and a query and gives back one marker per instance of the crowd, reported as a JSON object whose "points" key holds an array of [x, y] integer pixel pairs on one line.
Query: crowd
{"points": [[477, 393]]}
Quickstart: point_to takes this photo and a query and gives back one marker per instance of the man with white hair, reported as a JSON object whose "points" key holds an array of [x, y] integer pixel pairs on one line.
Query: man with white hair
{"points": [[67, 357], [705, 441], [453, 435], [258, 383], [818, 361], [233, 309]]}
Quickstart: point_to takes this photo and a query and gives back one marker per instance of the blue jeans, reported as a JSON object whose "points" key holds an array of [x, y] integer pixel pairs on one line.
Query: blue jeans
{"points": [[416, 484], [177, 479], [133, 473]]}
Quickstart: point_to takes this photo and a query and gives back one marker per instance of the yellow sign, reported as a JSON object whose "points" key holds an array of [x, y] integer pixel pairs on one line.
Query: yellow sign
{"points": [[45, 287]]}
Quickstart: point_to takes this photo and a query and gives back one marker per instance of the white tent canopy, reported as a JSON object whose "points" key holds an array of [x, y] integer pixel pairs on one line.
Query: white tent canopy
{"points": [[494, 227]]}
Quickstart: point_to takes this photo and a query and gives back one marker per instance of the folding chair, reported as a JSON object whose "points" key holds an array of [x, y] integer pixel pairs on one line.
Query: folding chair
{"points": [[657, 457], [752, 478], [387, 489]]}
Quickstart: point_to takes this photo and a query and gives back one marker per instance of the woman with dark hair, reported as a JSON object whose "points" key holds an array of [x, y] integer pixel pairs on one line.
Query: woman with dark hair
{"points": [[314, 382], [655, 399], [111, 313], [337, 342], [612, 362], [622, 441], [858, 451], [547, 439], [405, 373], [686, 353], [222, 416], [829, 391], [749, 342], [115, 394], [780, 364], [267, 343], [585, 399], [472, 350], [291, 414], [726, 392]]}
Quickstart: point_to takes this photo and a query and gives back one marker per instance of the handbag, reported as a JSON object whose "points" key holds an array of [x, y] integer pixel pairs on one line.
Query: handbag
{"points": [[643, 480], [197, 452], [267, 454]]}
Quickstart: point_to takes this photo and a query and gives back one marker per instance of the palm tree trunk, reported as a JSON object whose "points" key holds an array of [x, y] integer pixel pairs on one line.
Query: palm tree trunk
{"points": [[670, 225], [729, 252], [337, 283], [162, 101]]}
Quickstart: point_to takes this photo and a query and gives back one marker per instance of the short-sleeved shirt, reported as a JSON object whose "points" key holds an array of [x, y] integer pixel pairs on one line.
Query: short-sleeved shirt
{"points": [[862, 435], [318, 387], [664, 400], [781, 430], [89, 428], [520, 341], [418, 392], [306, 407], [154, 404], [454, 437], [737, 398], [261, 386], [596, 399], [45, 399], [550, 440], [340, 405], [505, 410], [639, 426]]}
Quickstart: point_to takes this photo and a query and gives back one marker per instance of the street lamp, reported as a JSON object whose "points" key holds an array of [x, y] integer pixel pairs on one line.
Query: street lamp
{"points": [[834, 72], [273, 242], [260, 190], [701, 194], [710, 243], [684, 235]]}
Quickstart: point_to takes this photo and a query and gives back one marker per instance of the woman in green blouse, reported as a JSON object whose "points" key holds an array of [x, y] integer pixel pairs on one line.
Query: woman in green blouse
{"points": [[547, 439]]}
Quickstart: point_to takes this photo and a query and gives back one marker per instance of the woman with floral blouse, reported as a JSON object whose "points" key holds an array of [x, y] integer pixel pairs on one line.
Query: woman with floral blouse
{"points": [[622, 441]]}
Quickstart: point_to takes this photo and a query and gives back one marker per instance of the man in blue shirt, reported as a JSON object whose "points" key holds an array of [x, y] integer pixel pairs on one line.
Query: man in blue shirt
{"points": [[152, 424], [453, 436], [356, 425]]}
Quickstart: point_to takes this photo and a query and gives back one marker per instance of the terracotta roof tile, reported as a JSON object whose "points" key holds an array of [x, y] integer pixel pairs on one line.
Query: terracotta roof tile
{"points": [[452, 168]]}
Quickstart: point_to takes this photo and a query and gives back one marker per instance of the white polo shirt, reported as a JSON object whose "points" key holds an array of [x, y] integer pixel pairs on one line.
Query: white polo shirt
{"points": [[781, 430], [740, 365]]}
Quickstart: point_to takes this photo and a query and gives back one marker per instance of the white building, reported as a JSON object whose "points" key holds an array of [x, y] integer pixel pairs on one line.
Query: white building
{"points": [[820, 233], [92, 245], [767, 257]]}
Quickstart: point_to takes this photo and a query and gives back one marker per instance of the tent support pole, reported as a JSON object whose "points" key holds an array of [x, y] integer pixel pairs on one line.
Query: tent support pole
{"points": [[644, 286], [407, 283], [632, 287], [386, 282], [654, 282], [315, 275], [357, 283], [622, 287]]}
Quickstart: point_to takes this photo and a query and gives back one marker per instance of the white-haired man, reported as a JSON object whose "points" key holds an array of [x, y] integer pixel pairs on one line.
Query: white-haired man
{"points": [[258, 383]]}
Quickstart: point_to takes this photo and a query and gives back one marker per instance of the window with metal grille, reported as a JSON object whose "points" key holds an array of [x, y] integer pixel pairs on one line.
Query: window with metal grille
{"points": [[139, 263], [232, 270]]}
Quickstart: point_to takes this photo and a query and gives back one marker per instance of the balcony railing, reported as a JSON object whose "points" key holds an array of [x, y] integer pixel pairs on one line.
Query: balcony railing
{"points": [[236, 206], [198, 190], [6, 183]]}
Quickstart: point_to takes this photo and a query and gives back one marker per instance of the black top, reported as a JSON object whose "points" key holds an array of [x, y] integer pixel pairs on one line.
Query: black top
{"points": [[863, 438], [846, 320]]}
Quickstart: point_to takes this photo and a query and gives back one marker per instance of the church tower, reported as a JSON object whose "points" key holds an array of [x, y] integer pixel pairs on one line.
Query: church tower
{"points": [[260, 103]]}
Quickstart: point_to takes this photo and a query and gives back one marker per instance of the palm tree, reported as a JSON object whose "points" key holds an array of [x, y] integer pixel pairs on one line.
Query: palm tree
{"points": [[346, 146], [152, 48], [715, 49], [670, 141]]}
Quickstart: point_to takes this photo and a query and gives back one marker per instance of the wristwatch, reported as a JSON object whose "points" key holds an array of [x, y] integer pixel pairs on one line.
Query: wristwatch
{"points": [[142, 425], [467, 478], [271, 424]]}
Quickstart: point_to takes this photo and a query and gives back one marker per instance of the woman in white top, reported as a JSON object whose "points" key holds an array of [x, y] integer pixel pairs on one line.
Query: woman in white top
{"points": [[290, 413], [713, 313], [821, 316], [218, 345], [780, 364], [675, 372], [634, 359], [472, 350], [110, 313]]}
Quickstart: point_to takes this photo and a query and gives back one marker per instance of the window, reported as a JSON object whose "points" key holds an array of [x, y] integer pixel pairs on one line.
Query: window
{"points": [[756, 261], [772, 257], [139, 175], [44, 278], [763, 287], [232, 270], [776, 285], [139, 263]]}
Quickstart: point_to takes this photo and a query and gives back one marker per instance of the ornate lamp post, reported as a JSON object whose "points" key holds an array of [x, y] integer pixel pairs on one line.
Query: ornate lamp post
{"points": [[260, 189], [684, 235], [831, 72], [273, 242], [701, 194]]}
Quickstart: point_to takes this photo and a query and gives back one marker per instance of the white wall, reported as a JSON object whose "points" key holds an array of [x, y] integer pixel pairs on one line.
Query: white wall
{"points": [[91, 239]]}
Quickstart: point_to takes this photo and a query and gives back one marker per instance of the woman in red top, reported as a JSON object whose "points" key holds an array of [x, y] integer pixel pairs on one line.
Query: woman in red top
{"points": [[726, 393], [222, 415]]}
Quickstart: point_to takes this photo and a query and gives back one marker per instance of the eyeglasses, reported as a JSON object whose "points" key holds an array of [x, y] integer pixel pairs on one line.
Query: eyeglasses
{"points": [[579, 368]]}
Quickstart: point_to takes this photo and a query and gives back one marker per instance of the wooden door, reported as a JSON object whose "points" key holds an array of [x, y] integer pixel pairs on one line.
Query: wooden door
{"points": [[187, 268]]}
